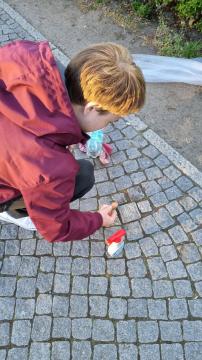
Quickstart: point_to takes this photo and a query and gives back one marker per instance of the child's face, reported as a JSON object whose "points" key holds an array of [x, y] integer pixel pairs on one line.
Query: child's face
{"points": [[92, 120]]}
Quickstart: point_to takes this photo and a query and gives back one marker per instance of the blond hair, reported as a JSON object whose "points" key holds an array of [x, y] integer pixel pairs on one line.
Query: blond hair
{"points": [[106, 75]]}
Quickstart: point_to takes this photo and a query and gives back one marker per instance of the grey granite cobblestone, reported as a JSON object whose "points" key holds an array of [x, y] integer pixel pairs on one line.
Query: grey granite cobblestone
{"points": [[29, 266], [98, 285], [28, 247], [129, 132], [178, 309], [44, 282], [150, 352], [193, 350], [141, 288], [165, 183], [24, 308], [81, 350], [192, 330], [144, 206], [162, 161], [162, 289], [40, 350], [116, 267], [197, 237], [148, 331], [136, 268], [186, 222], [144, 162], [161, 238], [168, 253], [196, 193], [129, 212], [61, 350], [119, 286], [122, 183], [188, 203], [135, 193], [128, 352], [195, 271], [117, 308], [137, 308], [157, 268], [18, 353], [170, 331], [148, 247], [176, 269], [12, 247], [103, 330], [41, 328], [105, 351], [174, 208], [71, 301], [138, 177], [132, 250], [44, 304], [7, 285], [98, 305], [149, 225], [80, 248], [78, 306], [97, 266], [60, 305], [189, 253], [61, 283], [183, 288], [130, 166], [26, 288], [126, 331], [133, 153], [4, 333], [157, 309], [11, 265], [8, 231], [134, 231], [172, 351], [151, 151], [195, 307], [178, 235], [80, 285], [21, 332], [172, 173], [115, 171], [198, 286], [163, 218], [184, 183], [159, 199], [61, 328], [173, 193]]}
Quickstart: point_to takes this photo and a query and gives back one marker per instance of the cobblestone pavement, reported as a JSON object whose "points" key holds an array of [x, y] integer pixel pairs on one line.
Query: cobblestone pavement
{"points": [[70, 301]]}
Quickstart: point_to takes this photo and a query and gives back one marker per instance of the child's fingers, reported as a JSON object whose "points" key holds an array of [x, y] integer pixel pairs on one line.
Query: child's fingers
{"points": [[114, 205], [114, 215]]}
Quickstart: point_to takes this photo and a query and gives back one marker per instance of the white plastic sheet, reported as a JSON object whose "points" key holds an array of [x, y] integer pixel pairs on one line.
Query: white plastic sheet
{"points": [[170, 69]]}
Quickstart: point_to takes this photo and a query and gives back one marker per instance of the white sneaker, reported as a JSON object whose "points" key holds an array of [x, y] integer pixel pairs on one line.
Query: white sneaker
{"points": [[24, 222]]}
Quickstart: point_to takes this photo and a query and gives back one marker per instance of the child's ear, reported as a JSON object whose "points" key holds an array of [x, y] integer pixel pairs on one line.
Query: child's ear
{"points": [[89, 107]]}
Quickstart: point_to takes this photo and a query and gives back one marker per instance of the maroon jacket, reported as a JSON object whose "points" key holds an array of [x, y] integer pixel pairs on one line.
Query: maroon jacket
{"points": [[37, 122]]}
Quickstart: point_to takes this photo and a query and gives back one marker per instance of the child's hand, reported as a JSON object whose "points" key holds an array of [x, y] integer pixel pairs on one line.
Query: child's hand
{"points": [[109, 214], [71, 148]]}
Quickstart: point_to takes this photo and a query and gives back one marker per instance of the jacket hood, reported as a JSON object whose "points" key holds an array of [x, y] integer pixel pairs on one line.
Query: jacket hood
{"points": [[33, 94]]}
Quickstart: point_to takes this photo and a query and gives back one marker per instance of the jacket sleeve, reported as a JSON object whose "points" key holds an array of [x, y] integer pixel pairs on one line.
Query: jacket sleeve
{"points": [[48, 207]]}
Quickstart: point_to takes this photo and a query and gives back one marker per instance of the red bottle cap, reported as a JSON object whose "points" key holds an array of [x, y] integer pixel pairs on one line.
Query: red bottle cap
{"points": [[116, 237]]}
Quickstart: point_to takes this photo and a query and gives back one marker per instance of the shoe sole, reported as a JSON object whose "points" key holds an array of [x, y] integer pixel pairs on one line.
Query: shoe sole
{"points": [[16, 223]]}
